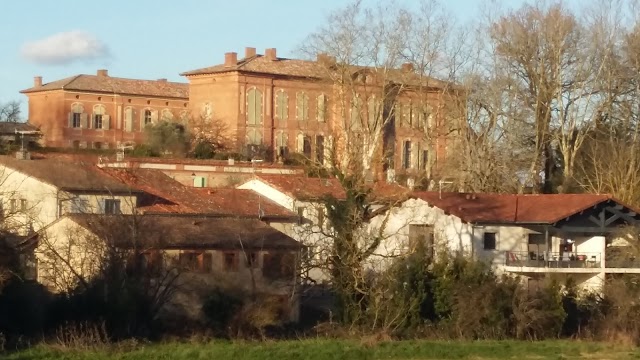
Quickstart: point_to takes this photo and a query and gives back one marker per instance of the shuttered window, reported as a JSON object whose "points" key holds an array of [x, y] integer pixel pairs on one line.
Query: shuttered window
{"points": [[254, 107], [302, 106], [322, 108], [282, 105]]}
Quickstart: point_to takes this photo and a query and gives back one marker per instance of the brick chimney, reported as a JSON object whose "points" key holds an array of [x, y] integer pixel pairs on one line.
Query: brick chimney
{"points": [[102, 73], [249, 52], [270, 54], [230, 59], [408, 67], [37, 81]]}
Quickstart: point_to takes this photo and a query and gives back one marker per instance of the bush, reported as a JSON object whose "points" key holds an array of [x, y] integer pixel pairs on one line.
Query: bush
{"points": [[144, 150], [203, 150], [219, 308]]}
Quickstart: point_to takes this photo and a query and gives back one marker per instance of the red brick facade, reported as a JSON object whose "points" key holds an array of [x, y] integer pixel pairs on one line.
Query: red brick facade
{"points": [[99, 111], [286, 103]]}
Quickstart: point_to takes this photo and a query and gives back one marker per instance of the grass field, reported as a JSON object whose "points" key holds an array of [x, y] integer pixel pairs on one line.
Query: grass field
{"points": [[342, 349]]}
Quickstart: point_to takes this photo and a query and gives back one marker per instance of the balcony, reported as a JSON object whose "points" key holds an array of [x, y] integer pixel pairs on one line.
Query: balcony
{"points": [[553, 260]]}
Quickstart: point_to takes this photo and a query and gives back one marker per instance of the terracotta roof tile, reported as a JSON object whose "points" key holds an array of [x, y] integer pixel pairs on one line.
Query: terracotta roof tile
{"points": [[308, 69], [166, 195], [187, 232], [511, 208], [108, 84], [66, 175], [305, 188]]}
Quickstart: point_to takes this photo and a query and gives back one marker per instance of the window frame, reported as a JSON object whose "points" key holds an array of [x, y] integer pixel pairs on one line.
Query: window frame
{"points": [[493, 234], [231, 266], [115, 204]]}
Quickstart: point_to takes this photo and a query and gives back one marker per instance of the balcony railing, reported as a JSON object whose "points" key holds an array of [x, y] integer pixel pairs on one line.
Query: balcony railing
{"points": [[553, 259]]}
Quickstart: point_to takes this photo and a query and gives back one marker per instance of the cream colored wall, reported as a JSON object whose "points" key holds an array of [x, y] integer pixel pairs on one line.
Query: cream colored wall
{"points": [[94, 201], [67, 253], [41, 197]]}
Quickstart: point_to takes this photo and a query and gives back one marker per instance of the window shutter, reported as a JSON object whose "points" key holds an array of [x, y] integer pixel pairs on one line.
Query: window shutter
{"points": [[70, 119], [84, 120], [321, 108], [305, 106], [154, 116], [101, 204], [328, 150], [105, 122], [414, 155], [128, 119], [278, 106], [300, 143], [251, 107], [299, 106]]}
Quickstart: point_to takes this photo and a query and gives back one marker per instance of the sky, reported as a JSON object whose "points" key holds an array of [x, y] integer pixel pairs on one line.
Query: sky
{"points": [[151, 39]]}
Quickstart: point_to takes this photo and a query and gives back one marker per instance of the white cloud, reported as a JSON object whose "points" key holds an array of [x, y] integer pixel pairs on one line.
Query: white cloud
{"points": [[65, 48]]}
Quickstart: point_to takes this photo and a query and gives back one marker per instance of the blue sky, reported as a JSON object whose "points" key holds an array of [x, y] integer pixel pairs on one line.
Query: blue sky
{"points": [[151, 39]]}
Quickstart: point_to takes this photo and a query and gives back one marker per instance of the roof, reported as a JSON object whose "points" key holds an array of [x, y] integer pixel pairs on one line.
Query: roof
{"points": [[108, 84], [512, 208], [66, 175], [10, 127], [308, 69], [163, 194], [186, 232], [305, 188]]}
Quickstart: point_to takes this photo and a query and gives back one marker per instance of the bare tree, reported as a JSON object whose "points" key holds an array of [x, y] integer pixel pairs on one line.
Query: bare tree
{"points": [[10, 111]]}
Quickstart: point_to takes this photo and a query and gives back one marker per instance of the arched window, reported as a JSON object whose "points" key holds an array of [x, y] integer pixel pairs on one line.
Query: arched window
{"points": [[148, 116], [100, 119], [282, 105], [254, 107], [282, 144], [77, 117]]}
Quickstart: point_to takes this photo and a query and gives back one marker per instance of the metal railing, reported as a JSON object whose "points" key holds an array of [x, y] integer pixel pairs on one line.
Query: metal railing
{"points": [[553, 259]]}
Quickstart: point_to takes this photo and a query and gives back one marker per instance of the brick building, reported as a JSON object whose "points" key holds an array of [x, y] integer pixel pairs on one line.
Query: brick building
{"points": [[289, 105], [100, 111]]}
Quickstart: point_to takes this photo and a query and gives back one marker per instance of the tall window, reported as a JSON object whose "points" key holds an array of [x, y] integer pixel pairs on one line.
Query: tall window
{"points": [[302, 106], [148, 117], [230, 261], [76, 115], [356, 108], [254, 107], [372, 112], [322, 108], [99, 117], [112, 206], [282, 144], [406, 154], [425, 159], [306, 146], [282, 105], [320, 149], [128, 119]]}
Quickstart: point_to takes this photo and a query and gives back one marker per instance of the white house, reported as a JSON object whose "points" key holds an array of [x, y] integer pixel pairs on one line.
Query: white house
{"points": [[569, 235]]}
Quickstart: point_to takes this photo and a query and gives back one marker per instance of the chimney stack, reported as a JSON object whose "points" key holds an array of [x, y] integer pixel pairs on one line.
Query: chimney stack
{"points": [[102, 73], [37, 81], [230, 59], [408, 67], [270, 54], [249, 52]]}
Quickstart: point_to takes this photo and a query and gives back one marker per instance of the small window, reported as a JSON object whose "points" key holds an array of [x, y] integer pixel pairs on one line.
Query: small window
{"points": [[195, 261], [230, 261], [300, 210], [489, 241], [97, 145], [97, 121], [253, 259], [13, 205], [23, 204], [76, 144], [320, 217], [112, 206]]}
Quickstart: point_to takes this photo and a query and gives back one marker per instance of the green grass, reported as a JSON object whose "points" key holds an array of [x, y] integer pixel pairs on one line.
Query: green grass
{"points": [[342, 349]]}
